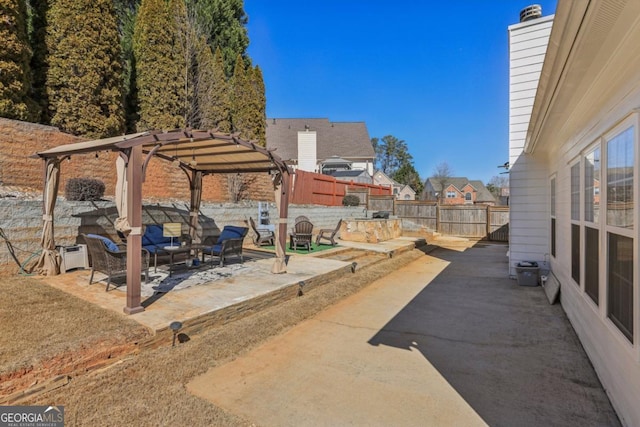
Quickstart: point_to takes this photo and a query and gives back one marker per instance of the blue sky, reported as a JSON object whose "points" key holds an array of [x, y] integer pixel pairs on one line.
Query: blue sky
{"points": [[434, 74]]}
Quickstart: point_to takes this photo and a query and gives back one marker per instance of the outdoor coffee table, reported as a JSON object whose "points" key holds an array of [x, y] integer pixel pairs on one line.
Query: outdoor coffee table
{"points": [[172, 251]]}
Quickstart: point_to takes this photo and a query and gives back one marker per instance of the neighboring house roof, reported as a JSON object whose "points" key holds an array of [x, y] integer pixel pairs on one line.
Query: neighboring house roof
{"points": [[458, 182], [382, 178], [407, 188], [483, 195], [347, 173], [351, 175], [349, 140], [335, 160]]}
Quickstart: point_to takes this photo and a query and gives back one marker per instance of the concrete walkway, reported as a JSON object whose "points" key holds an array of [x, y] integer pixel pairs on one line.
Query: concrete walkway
{"points": [[448, 340]]}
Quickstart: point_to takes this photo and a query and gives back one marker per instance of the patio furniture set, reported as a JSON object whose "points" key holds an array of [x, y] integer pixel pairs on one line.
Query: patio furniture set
{"points": [[167, 241], [110, 258]]}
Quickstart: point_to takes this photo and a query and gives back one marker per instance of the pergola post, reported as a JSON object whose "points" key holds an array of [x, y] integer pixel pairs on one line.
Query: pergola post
{"points": [[284, 211], [134, 240]]}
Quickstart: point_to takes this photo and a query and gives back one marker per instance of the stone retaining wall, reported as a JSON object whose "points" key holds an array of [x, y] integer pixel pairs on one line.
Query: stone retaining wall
{"points": [[21, 221]]}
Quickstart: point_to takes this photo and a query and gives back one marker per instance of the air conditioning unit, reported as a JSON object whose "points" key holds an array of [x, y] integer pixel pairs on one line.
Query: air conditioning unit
{"points": [[73, 257]]}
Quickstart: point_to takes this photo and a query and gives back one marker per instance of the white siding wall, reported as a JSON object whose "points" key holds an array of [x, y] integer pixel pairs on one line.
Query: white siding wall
{"points": [[368, 166], [528, 178], [307, 154], [615, 359]]}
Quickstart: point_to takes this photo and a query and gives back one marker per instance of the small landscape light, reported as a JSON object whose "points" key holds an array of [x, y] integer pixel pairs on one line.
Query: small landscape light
{"points": [[175, 327]]}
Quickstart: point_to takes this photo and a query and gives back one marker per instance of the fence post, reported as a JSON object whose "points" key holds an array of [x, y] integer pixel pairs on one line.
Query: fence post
{"points": [[438, 217], [489, 222]]}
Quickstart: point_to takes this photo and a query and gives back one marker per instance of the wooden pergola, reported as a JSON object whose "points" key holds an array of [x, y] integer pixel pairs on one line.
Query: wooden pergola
{"points": [[198, 153]]}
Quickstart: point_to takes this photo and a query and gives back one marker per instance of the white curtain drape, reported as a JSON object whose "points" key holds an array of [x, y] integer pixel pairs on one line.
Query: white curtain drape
{"points": [[280, 264], [194, 208], [49, 262], [122, 222]]}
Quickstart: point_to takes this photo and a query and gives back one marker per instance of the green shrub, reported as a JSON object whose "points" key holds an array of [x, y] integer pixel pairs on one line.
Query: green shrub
{"points": [[350, 200], [84, 189]]}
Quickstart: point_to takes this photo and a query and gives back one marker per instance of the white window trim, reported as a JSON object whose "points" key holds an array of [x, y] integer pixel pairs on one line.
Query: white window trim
{"points": [[632, 119]]}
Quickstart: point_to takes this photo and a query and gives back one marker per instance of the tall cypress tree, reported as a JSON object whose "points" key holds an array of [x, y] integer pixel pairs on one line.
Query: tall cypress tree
{"points": [[126, 11], [15, 73], [248, 112], [213, 92], [84, 76], [240, 121], [160, 65], [224, 22], [258, 106], [37, 38]]}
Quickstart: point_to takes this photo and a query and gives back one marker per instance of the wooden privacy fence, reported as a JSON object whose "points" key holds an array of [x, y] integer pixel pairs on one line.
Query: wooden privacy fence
{"points": [[474, 221], [317, 189]]}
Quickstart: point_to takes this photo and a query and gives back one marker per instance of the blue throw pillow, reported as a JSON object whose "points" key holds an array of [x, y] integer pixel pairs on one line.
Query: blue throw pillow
{"points": [[107, 242], [153, 235]]}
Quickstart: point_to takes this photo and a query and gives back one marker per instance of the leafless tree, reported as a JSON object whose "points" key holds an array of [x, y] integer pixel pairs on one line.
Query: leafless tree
{"points": [[441, 175], [238, 186]]}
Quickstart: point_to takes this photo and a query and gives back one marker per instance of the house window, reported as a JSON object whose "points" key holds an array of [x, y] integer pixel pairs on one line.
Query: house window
{"points": [[451, 194], [592, 186], [407, 197], [621, 283], [592, 263], [575, 192], [591, 256], [575, 226], [619, 219], [620, 180], [467, 197], [553, 216]]}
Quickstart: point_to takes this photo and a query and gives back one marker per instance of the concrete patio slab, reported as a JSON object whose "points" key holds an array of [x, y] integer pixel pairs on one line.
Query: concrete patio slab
{"points": [[447, 340]]}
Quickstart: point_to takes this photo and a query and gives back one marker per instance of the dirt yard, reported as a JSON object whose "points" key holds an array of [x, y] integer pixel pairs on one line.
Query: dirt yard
{"points": [[146, 387]]}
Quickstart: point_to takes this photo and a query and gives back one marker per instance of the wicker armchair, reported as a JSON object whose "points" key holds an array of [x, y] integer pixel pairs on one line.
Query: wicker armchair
{"points": [[228, 243], [111, 262]]}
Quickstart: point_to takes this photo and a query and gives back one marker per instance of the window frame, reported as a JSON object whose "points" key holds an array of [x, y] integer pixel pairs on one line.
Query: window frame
{"points": [[606, 229], [575, 221], [593, 223], [553, 227]]}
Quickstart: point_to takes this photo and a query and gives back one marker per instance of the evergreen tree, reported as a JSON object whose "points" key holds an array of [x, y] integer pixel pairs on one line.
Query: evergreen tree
{"points": [[407, 174], [240, 100], [84, 78], [213, 92], [15, 54], [248, 112], [258, 106], [126, 12], [37, 39], [223, 22], [391, 154], [160, 65]]}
